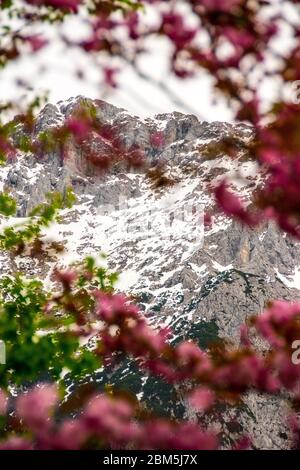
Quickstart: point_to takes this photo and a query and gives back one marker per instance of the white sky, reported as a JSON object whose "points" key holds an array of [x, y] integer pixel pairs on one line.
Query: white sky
{"points": [[53, 68], [133, 93]]}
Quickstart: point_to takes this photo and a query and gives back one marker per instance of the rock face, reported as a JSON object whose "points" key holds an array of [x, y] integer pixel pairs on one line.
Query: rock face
{"points": [[201, 281]]}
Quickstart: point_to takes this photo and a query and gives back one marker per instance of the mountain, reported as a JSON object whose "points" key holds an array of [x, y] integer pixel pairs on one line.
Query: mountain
{"points": [[202, 281]]}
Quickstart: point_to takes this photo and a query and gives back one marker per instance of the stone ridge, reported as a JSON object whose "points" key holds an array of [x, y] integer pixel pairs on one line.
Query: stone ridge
{"points": [[185, 144], [205, 288]]}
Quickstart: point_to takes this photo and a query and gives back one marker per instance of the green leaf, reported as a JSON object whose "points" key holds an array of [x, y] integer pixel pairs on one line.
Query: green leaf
{"points": [[8, 205]]}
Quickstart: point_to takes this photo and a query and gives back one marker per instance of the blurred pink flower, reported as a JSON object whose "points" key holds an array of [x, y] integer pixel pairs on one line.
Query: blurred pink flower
{"points": [[35, 406], [201, 399]]}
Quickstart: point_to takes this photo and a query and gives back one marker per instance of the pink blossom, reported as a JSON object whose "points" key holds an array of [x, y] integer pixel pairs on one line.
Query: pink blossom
{"points": [[16, 443], [3, 402], [238, 37], [232, 205], [114, 308], [110, 76], [135, 158], [7, 149], [160, 434], [188, 352], [132, 23], [288, 373], [157, 139], [79, 127], [110, 419], [35, 406], [67, 278], [71, 435], [244, 443], [238, 375], [201, 399], [192, 360], [36, 42], [161, 369], [294, 424], [174, 27], [272, 323]]}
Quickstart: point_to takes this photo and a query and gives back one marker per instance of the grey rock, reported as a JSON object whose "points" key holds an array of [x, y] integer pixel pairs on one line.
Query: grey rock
{"points": [[204, 290]]}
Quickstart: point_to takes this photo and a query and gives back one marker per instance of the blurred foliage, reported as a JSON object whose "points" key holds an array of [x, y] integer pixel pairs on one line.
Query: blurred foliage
{"points": [[40, 327], [40, 330], [8, 205], [15, 237]]}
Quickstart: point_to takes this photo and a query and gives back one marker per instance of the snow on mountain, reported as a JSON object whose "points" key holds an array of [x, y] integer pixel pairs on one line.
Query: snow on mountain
{"points": [[201, 281]]}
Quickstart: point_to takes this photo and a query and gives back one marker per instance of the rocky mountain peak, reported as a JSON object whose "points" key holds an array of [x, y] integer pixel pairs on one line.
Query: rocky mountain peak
{"points": [[178, 142], [178, 133], [203, 282]]}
